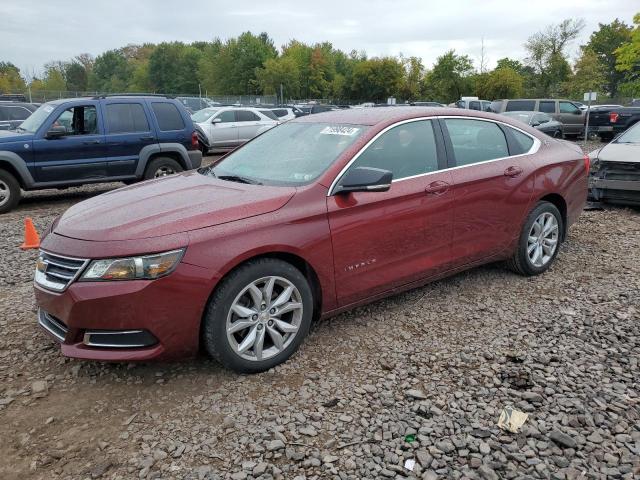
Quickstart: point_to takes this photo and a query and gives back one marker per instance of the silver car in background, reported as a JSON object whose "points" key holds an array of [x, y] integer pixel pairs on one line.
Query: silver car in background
{"points": [[228, 127], [615, 170]]}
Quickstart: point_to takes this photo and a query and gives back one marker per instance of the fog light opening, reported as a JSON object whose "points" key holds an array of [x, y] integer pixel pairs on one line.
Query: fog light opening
{"points": [[119, 338]]}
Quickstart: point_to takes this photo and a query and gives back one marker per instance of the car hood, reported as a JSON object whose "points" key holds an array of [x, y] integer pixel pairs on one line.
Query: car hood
{"points": [[169, 205], [7, 136], [620, 152]]}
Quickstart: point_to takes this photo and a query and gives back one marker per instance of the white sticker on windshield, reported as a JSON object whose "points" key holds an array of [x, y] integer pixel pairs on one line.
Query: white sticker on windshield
{"points": [[48, 108], [340, 130]]}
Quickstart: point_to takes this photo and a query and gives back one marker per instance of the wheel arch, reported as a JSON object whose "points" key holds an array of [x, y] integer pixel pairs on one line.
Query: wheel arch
{"points": [[294, 259], [561, 204], [12, 163]]}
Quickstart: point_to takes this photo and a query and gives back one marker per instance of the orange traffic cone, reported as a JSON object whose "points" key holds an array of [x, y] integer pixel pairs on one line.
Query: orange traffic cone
{"points": [[31, 238]]}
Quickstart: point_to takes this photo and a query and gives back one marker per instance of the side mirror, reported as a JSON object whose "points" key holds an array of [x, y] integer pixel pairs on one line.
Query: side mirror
{"points": [[535, 123], [216, 120], [365, 179], [578, 112], [56, 132]]}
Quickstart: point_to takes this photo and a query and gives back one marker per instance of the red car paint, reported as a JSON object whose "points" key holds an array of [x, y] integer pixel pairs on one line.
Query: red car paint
{"points": [[356, 247]]}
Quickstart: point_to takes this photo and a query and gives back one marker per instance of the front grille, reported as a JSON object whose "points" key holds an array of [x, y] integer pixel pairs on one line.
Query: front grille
{"points": [[56, 272], [52, 325]]}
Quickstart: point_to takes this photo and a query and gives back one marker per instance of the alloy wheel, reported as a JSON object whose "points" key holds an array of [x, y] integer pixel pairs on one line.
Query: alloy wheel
{"points": [[5, 193], [543, 239], [264, 318]]}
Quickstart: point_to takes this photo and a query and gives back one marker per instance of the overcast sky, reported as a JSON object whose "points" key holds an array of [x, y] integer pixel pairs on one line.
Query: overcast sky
{"points": [[33, 32]]}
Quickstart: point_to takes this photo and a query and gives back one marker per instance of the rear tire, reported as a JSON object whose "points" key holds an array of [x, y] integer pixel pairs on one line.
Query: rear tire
{"points": [[9, 191], [161, 167], [249, 327], [542, 230]]}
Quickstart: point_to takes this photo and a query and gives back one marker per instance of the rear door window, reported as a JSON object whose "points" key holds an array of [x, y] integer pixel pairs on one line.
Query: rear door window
{"points": [[476, 141], [520, 106], [547, 106], [228, 116], [168, 116], [474, 105], [126, 118], [246, 116]]}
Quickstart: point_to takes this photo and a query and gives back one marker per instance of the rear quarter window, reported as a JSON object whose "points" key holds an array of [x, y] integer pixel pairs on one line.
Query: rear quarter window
{"points": [[522, 143], [168, 116], [520, 105]]}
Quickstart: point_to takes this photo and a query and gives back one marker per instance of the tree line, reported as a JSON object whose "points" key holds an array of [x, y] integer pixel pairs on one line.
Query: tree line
{"points": [[249, 64]]}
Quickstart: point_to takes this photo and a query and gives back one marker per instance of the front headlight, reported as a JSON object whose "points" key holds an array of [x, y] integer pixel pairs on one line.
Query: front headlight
{"points": [[147, 267]]}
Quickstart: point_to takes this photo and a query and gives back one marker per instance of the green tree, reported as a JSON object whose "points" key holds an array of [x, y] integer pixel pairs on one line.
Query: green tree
{"points": [[411, 88], [112, 72], [76, 76], [547, 55], [450, 78], [628, 61], [603, 43], [172, 68], [233, 69], [53, 80], [377, 79], [10, 78], [590, 75], [279, 71]]}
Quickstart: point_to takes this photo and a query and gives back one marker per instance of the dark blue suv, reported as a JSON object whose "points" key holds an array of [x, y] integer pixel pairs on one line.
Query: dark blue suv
{"points": [[91, 140]]}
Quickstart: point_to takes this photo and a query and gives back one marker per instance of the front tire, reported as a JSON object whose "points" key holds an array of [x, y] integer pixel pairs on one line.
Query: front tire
{"points": [[9, 192], [539, 240], [258, 316]]}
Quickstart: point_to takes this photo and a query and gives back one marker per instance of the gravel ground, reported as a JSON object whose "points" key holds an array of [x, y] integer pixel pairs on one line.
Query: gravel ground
{"points": [[421, 376]]}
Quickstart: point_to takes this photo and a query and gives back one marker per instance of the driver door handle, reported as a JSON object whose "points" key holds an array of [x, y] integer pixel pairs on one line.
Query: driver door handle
{"points": [[91, 142], [437, 188], [512, 171]]}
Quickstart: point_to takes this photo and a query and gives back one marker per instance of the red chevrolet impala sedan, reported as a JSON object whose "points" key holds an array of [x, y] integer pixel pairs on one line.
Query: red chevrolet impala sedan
{"points": [[313, 217]]}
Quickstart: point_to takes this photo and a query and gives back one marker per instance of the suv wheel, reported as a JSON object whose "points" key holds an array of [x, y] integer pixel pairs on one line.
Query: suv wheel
{"points": [[161, 167], [258, 316], [539, 240], [9, 191]]}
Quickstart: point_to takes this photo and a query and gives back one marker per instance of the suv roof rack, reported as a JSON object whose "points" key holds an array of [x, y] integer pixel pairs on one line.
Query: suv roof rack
{"points": [[97, 97]]}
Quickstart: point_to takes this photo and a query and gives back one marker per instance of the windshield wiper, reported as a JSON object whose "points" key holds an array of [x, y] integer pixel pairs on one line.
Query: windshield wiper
{"points": [[17, 129], [239, 179]]}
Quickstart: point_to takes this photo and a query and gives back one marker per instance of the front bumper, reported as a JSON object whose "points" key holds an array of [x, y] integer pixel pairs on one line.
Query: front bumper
{"points": [[616, 182], [128, 320]]}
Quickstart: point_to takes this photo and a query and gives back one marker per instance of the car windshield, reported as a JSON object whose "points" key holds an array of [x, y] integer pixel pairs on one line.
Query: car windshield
{"points": [[37, 118], [204, 115], [630, 136], [290, 154]]}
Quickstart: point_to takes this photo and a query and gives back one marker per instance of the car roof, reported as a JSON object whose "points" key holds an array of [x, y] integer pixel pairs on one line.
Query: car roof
{"points": [[388, 115]]}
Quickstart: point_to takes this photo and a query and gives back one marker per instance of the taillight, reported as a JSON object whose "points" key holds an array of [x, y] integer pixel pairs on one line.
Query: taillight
{"points": [[587, 163], [613, 117], [194, 141]]}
